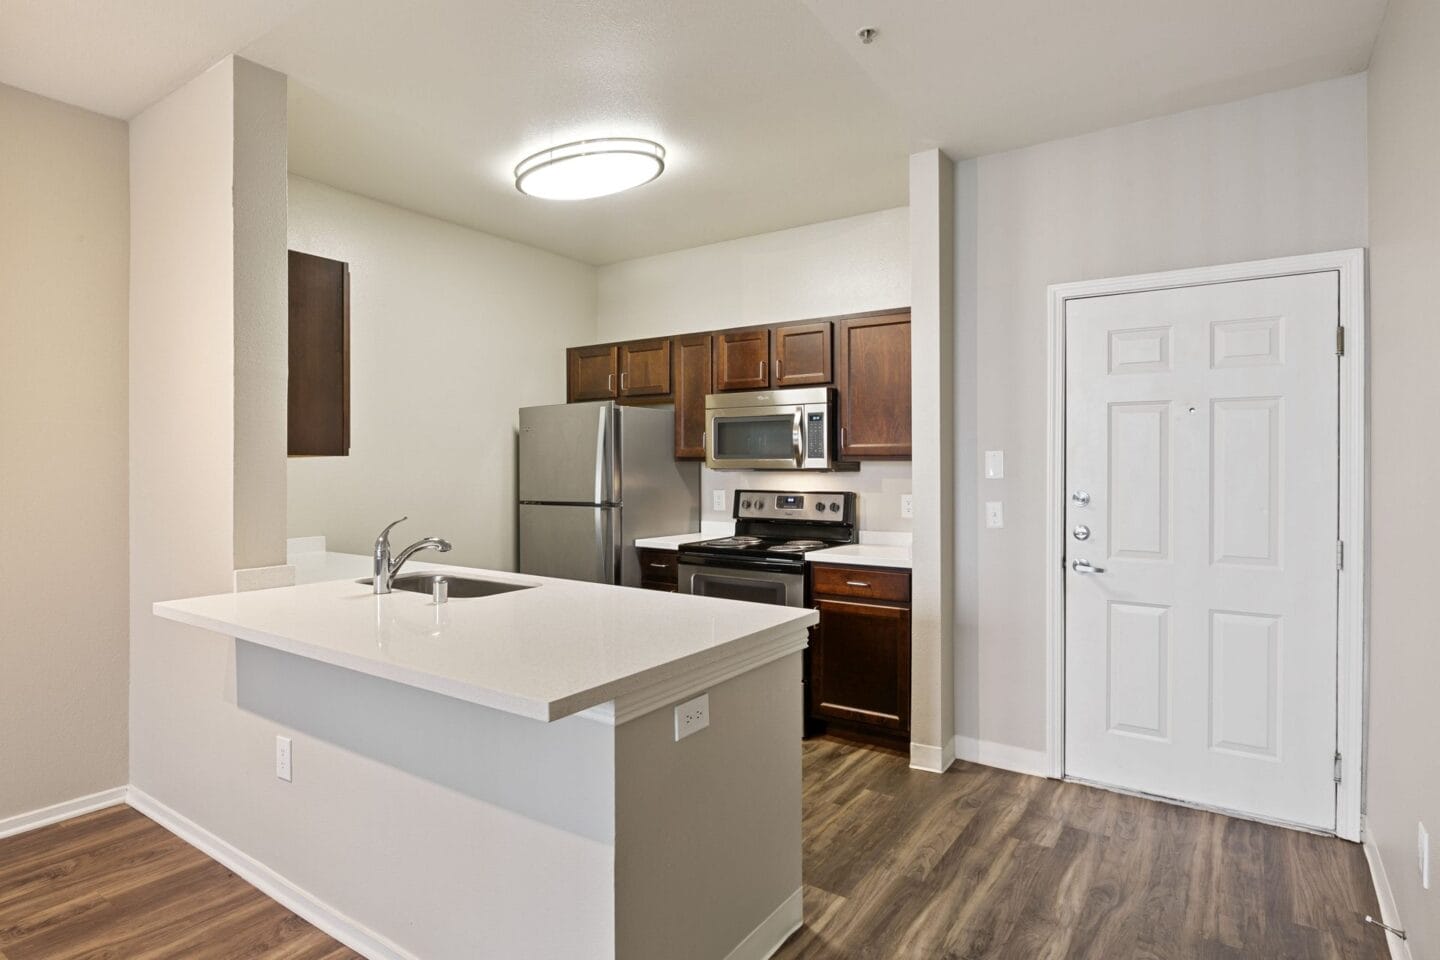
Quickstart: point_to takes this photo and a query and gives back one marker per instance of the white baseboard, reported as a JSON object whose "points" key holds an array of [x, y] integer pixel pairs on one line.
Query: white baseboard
{"points": [[357, 937], [773, 931], [35, 819], [1399, 949], [932, 759], [1003, 755]]}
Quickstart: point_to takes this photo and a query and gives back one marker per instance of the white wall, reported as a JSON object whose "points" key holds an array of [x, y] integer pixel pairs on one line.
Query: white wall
{"points": [[1404, 766], [825, 269], [64, 254], [1271, 176], [451, 332]]}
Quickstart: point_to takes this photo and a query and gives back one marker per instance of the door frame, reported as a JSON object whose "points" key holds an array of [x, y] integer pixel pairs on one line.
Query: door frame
{"points": [[1353, 575]]}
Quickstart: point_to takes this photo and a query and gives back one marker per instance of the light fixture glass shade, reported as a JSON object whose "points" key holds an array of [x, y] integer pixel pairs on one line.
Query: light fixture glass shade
{"points": [[590, 168]]}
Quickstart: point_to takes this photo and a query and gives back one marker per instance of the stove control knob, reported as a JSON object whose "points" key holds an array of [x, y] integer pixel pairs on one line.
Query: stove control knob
{"points": [[744, 504], [835, 507], [759, 505], [820, 507]]}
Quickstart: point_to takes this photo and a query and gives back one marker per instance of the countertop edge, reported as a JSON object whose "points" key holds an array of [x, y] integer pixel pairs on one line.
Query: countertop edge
{"points": [[697, 670]]}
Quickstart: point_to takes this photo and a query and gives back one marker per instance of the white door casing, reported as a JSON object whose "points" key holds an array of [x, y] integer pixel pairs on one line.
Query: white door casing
{"points": [[1201, 664]]}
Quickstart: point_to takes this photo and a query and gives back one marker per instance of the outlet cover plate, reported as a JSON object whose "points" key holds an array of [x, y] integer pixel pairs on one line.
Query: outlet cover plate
{"points": [[907, 505], [283, 749], [994, 514], [692, 716], [718, 500]]}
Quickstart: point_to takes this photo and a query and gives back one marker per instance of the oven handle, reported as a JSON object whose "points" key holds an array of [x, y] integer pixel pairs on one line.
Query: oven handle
{"points": [[799, 437]]}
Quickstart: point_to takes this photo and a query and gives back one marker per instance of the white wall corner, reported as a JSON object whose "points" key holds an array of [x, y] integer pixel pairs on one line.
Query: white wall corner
{"points": [[932, 360]]}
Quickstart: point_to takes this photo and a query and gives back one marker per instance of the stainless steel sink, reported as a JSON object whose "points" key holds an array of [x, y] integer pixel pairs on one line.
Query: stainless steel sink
{"points": [[460, 587]]}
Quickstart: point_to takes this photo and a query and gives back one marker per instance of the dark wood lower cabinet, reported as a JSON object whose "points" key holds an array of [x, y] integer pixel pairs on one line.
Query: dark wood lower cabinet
{"points": [[860, 653], [659, 569]]}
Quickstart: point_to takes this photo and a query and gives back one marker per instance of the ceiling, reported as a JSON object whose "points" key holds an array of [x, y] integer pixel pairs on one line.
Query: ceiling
{"points": [[976, 78], [773, 112]]}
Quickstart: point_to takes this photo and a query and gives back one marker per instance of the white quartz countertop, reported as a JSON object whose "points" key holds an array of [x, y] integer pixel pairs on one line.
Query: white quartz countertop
{"points": [[673, 542], [864, 555], [544, 653]]}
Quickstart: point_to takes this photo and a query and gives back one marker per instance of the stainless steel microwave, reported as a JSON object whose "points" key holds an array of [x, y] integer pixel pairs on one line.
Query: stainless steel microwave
{"points": [[772, 430]]}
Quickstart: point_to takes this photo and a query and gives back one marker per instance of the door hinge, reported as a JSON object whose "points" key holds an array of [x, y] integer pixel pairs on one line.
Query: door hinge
{"points": [[1337, 766], [1339, 341], [1339, 554]]}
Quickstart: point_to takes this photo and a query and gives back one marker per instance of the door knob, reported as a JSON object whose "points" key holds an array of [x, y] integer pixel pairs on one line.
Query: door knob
{"points": [[1085, 566]]}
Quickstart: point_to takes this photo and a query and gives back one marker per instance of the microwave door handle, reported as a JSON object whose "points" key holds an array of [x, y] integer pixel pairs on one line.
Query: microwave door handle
{"points": [[799, 437]]}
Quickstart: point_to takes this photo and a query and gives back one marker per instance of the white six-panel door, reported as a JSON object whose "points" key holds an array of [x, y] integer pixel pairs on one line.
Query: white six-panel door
{"points": [[1202, 437]]}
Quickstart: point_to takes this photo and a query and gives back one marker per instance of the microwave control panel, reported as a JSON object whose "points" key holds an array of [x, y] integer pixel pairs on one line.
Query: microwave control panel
{"points": [[815, 436], [762, 504]]}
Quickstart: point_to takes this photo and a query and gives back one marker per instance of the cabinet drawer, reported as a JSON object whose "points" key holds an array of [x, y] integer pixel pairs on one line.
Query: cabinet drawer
{"points": [[659, 566], [870, 583]]}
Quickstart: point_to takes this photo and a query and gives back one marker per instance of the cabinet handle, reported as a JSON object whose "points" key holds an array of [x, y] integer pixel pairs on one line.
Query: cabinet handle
{"points": [[778, 368], [762, 369], [658, 566], [610, 382], [842, 439], [856, 583], [622, 381]]}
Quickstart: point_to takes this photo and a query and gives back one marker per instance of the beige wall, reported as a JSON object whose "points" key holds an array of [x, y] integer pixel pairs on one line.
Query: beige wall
{"points": [[63, 261], [1271, 176], [1404, 765], [823, 269], [452, 331]]}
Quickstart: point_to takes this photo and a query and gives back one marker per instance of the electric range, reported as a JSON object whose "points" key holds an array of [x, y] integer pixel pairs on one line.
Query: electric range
{"points": [[764, 561]]}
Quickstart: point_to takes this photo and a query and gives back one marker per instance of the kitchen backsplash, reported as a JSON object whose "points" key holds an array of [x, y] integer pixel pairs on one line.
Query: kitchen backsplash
{"points": [[878, 484]]}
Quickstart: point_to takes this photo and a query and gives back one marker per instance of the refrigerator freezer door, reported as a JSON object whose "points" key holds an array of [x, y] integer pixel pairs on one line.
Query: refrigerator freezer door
{"points": [[567, 454], [572, 542]]}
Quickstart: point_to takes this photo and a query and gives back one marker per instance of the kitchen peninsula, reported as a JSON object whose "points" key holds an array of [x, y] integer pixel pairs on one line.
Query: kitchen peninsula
{"points": [[549, 711]]}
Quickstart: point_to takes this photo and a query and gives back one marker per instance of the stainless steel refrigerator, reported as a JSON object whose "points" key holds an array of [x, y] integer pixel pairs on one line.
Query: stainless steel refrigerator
{"points": [[593, 478]]}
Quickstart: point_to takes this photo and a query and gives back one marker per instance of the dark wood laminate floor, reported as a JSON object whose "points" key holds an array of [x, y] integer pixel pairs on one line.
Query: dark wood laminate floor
{"points": [[984, 863], [113, 885], [898, 864]]}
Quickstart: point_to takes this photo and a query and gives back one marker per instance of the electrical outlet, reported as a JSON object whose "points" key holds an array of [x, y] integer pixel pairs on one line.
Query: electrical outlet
{"points": [[1422, 852], [282, 758], [994, 464], [718, 500], [692, 716], [907, 505], [994, 514]]}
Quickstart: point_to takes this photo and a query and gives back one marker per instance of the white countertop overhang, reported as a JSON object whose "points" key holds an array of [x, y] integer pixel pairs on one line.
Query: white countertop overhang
{"points": [[557, 649]]}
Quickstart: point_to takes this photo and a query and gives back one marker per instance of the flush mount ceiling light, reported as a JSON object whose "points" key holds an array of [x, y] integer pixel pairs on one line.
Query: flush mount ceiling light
{"points": [[590, 168]]}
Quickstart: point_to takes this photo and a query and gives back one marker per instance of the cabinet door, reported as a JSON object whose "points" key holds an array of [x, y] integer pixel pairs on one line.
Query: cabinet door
{"points": [[692, 381], [742, 360], [802, 354], [645, 369], [860, 664], [591, 373], [873, 377], [319, 380]]}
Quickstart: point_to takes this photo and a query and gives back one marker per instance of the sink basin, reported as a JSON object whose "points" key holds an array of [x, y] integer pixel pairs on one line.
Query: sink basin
{"points": [[460, 587]]}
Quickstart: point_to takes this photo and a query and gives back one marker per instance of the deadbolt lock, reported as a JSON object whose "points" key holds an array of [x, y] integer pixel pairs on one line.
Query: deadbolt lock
{"points": [[1080, 498], [1081, 532]]}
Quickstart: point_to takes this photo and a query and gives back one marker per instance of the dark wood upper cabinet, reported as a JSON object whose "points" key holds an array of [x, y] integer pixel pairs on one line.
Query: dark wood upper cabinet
{"points": [[692, 379], [319, 387], [872, 367], [591, 373], [645, 368], [742, 360], [801, 355]]}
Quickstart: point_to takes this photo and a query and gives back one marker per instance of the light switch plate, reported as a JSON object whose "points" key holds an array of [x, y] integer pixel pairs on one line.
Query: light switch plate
{"points": [[718, 500], [994, 514], [907, 505], [994, 464]]}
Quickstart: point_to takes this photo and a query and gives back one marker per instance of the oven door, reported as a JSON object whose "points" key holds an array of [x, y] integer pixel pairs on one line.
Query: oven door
{"points": [[754, 584]]}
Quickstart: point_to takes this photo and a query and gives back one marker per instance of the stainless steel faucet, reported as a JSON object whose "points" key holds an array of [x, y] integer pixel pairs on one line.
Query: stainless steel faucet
{"points": [[386, 568]]}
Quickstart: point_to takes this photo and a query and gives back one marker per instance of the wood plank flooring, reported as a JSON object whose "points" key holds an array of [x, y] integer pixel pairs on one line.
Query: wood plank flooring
{"points": [[984, 863], [978, 863], [113, 885]]}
